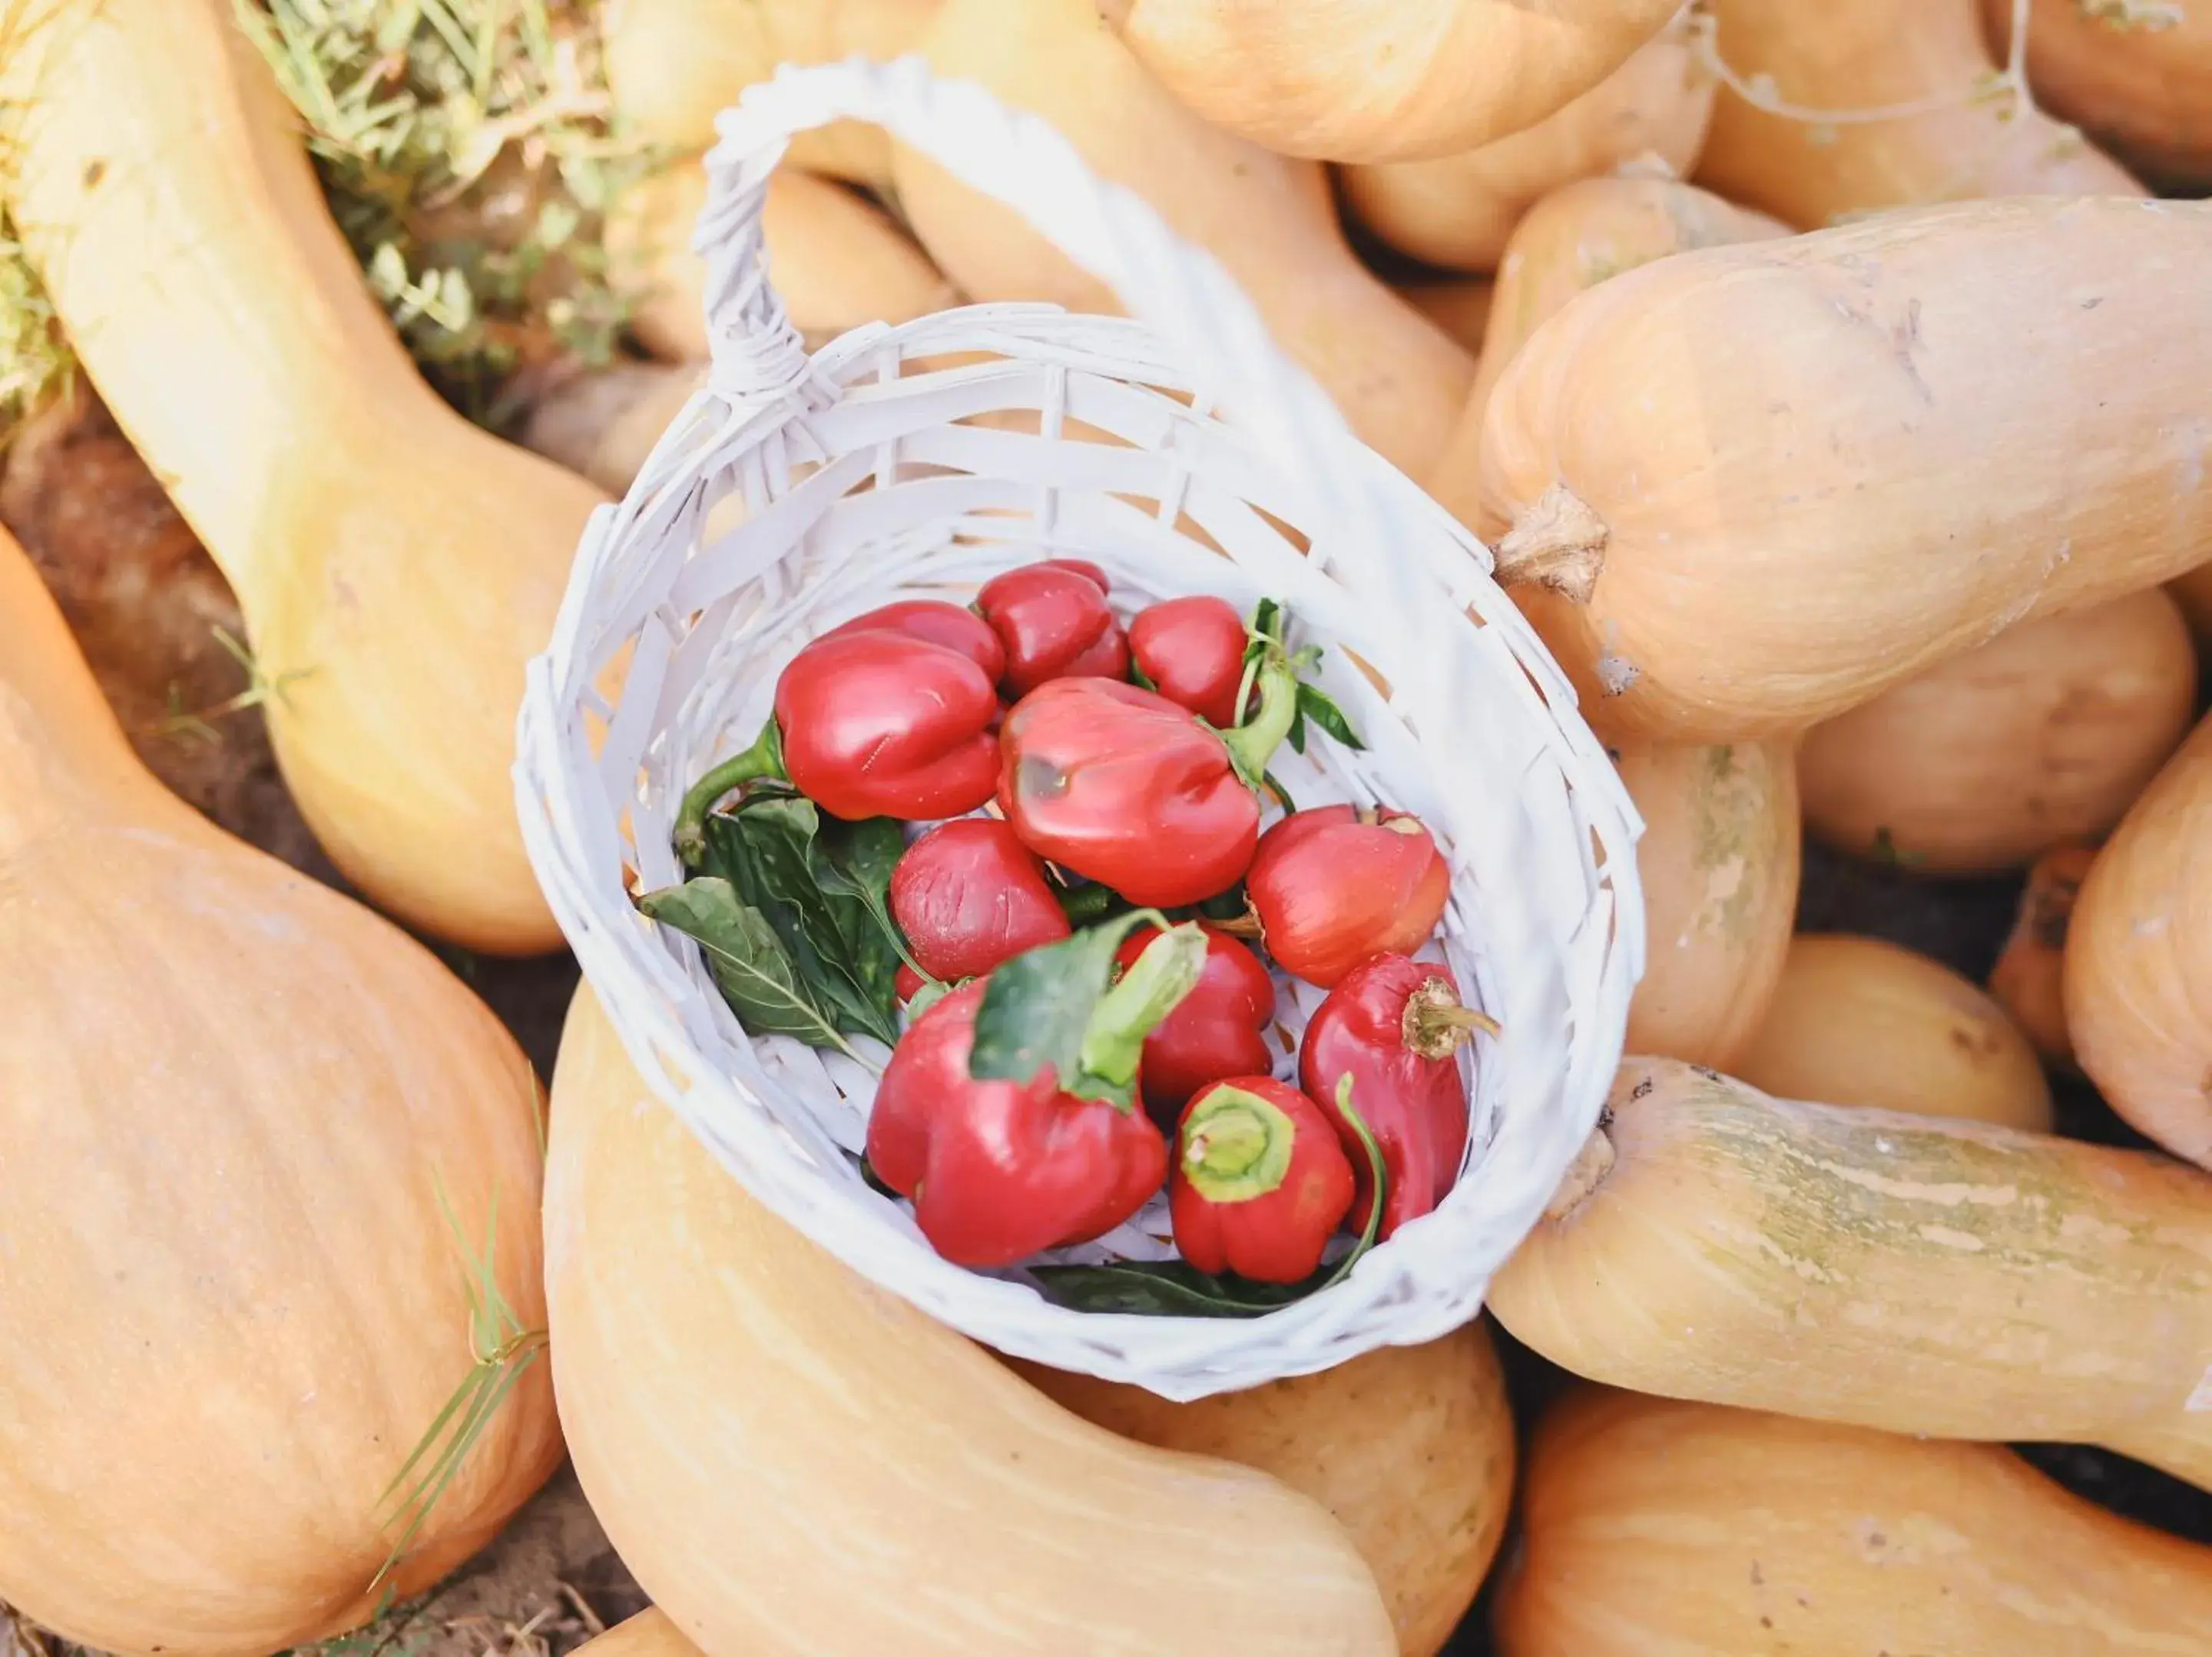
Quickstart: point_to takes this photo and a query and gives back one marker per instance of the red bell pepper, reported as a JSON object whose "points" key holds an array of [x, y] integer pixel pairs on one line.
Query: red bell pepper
{"points": [[868, 723], [1054, 624], [1218, 1028], [1083, 566], [1000, 1169], [1192, 651], [1260, 1183], [969, 895], [1387, 1037], [939, 622], [1336, 884], [1125, 788]]}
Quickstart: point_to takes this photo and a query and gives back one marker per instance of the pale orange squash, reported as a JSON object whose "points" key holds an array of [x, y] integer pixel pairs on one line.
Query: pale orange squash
{"points": [[2135, 75], [1913, 1274], [397, 566], [1775, 480], [1456, 211], [1398, 379], [2139, 959], [648, 1634], [1382, 79], [1719, 861], [1458, 305], [1874, 55], [2029, 979], [1653, 1528], [601, 424], [749, 1418], [2193, 592], [837, 259], [2046, 734], [256, 1140], [1859, 1021], [1409, 1446], [1577, 236], [674, 65]]}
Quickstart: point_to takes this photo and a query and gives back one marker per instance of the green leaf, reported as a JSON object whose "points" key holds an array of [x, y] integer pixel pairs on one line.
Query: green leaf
{"points": [[749, 960], [1037, 1008], [1267, 619], [1314, 704], [852, 863], [1296, 738], [1176, 1289], [765, 849], [1137, 676]]}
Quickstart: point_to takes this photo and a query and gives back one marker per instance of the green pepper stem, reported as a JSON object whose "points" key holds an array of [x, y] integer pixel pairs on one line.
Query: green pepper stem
{"points": [[1152, 988], [1252, 744], [763, 759], [1237, 1145]]}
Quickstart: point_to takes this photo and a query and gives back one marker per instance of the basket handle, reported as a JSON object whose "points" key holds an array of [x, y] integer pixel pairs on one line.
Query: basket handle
{"points": [[1181, 291]]}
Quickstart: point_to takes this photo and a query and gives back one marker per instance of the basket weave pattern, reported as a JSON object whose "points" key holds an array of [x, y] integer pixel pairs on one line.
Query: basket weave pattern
{"points": [[794, 492]]}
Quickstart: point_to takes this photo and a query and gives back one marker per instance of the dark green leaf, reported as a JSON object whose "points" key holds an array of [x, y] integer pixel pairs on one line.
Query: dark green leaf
{"points": [[1267, 619], [747, 958], [1314, 703], [1088, 902], [1037, 1007], [1296, 738], [765, 850], [1226, 905], [852, 863], [1175, 1288]]}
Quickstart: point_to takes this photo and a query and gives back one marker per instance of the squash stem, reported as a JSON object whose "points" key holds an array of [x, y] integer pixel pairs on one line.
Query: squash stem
{"points": [[1558, 542]]}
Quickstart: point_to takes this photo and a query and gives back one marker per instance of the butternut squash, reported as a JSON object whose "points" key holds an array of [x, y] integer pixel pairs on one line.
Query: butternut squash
{"points": [[1948, 1278], [406, 563], [1719, 860], [836, 258], [2042, 735], [1270, 221], [2139, 959], [1458, 305], [673, 65], [1950, 138], [1653, 1528], [2193, 592], [748, 1418], [648, 1634], [1409, 1446], [1777, 479], [1382, 79], [1577, 236], [2028, 981], [1859, 1021], [2135, 75], [602, 423], [1457, 211], [257, 1142]]}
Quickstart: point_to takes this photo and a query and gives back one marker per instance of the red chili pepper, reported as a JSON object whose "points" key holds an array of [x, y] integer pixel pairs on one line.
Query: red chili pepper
{"points": [[969, 895], [940, 623], [1338, 884], [867, 725], [1128, 789], [1193, 651], [1389, 1032], [1054, 624], [999, 1169], [1260, 1183], [1215, 1031]]}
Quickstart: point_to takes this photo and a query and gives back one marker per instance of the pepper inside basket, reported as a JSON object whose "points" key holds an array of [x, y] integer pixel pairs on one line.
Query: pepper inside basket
{"points": [[796, 493]]}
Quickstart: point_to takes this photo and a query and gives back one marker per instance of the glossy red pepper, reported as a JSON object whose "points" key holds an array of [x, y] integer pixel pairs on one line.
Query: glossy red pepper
{"points": [[1336, 884], [1054, 624], [941, 623], [1219, 1029], [1391, 1030], [869, 723], [1000, 1169], [1260, 1182], [1193, 651], [1083, 566], [969, 895], [1125, 788]]}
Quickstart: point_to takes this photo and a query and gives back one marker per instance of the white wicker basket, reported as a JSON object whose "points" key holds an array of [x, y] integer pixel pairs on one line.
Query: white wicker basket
{"points": [[860, 475]]}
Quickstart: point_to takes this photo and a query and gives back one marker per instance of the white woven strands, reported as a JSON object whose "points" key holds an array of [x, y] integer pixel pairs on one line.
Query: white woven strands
{"points": [[791, 493]]}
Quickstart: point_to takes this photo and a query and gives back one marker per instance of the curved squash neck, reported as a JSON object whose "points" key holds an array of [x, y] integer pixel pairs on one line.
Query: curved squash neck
{"points": [[63, 758], [164, 196]]}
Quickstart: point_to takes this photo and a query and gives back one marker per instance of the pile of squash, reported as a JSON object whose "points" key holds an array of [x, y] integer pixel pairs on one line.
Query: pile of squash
{"points": [[1837, 395]]}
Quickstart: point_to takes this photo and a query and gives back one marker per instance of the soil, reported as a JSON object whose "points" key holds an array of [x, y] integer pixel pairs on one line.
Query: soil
{"points": [[144, 601]]}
